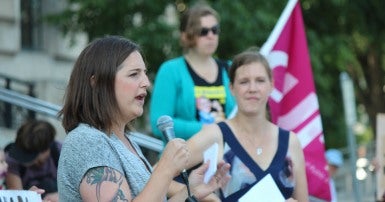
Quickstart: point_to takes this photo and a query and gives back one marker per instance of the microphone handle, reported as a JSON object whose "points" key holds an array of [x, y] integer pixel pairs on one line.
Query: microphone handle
{"points": [[190, 197], [169, 134], [184, 176]]}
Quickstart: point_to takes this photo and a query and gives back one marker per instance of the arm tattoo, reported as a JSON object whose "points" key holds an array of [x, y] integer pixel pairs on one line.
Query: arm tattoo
{"points": [[96, 176]]}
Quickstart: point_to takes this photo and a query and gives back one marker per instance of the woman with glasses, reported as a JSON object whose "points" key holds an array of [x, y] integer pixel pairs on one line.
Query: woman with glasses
{"points": [[193, 88]]}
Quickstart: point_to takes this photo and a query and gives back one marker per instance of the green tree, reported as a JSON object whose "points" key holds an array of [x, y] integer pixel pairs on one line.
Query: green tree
{"points": [[142, 21], [348, 37]]}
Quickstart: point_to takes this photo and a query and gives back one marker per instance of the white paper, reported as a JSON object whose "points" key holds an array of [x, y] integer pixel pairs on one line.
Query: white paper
{"points": [[19, 195], [211, 154], [264, 191]]}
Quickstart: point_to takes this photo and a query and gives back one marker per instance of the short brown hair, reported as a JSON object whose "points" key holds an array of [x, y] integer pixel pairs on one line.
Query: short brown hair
{"points": [[35, 136]]}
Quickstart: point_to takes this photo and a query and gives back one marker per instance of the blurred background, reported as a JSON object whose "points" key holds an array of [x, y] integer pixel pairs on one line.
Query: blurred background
{"points": [[40, 40]]}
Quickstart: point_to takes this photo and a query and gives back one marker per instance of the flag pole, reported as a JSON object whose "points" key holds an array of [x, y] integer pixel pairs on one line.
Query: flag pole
{"points": [[268, 45], [350, 119]]}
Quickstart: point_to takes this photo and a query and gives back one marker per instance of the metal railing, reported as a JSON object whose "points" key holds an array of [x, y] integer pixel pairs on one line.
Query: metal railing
{"points": [[49, 109], [11, 113]]}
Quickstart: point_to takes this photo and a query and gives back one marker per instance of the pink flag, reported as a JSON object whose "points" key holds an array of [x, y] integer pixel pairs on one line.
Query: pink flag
{"points": [[294, 103]]}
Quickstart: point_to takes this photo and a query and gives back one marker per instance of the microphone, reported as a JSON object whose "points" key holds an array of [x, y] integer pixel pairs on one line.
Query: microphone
{"points": [[166, 125]]}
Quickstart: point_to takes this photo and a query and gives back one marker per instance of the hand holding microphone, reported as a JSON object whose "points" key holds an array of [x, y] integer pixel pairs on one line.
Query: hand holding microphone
{"points": [[175, 152], [176, 155], [166, 125]]}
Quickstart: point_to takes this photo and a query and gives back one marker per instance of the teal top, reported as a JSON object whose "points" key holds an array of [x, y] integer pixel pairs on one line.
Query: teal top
{"points": [[173, 95]]}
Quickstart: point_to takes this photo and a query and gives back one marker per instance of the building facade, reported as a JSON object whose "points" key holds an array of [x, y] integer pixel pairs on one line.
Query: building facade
{"points": [[34, 51]]}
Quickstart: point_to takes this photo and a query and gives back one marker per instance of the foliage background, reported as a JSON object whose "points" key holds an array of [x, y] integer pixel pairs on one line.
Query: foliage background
{"points": [[342, 36]]}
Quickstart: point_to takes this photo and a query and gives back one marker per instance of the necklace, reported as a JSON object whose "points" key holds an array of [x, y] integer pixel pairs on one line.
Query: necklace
{"points": [[259, 150]]}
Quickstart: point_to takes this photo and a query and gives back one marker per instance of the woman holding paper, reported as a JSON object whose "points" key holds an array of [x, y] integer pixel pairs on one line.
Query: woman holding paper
{"points": [[255, 147]]}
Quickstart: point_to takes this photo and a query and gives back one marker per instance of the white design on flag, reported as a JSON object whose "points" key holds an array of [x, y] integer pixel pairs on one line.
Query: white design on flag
{"points": [[277, 58], [308, 133], [300, 113], [276, 95], [290, 82], [280, 59]]}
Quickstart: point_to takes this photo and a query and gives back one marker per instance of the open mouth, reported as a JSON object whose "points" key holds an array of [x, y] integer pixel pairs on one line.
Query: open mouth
{"points": [[141, 97]]}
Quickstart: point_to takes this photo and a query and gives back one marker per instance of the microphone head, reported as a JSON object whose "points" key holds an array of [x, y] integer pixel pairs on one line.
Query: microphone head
{"points": [[164, 122]]}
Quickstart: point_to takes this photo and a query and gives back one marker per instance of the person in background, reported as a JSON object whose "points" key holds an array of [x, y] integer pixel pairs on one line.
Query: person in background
{"points": [[3, 172], [254, 146], [335, 161], [99, 161], [183, 83], [3, 169], [33, 159]]}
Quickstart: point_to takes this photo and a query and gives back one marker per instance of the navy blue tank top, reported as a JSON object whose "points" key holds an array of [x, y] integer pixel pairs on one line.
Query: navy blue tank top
{"points": [[245, 172]]}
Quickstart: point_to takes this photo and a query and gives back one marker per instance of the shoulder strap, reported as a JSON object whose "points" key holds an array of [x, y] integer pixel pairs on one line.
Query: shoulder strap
{"points": [[283, 143]]}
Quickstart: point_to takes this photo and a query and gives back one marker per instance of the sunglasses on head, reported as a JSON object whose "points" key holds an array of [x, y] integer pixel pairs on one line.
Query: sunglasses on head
{"points": [[205, 31]]}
